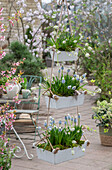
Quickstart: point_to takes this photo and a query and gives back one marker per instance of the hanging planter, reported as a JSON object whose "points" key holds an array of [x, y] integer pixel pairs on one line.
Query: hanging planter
{"points": [[61, 143], [65, 55], [66, 90], [62, 155], [65, 102]]}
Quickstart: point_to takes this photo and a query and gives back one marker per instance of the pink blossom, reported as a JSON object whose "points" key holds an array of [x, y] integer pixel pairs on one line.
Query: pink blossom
{"points": [[2, 30], [3, 53], [2, 18], [2, 25], [6, 84], [1, 56], [1, 167], [2, 72], [11, 22], [4, 90], [2, 38], [7, 76], [17, 64], [1, 10]]}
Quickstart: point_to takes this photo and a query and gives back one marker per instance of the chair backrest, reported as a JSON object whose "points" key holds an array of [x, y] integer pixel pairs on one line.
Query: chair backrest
{"points": [[30, 80]]}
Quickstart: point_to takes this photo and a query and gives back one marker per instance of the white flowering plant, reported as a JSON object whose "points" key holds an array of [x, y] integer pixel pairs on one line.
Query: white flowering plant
{"points": [[103, 114], [65, 41], [61, 137], [66, 85]]}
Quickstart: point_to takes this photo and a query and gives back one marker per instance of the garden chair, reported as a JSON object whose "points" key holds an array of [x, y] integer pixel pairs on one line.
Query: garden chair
{"points": [[25, 107]]}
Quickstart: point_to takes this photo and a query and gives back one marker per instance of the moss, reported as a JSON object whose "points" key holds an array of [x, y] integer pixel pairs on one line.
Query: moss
{"points": [[61, 147]]}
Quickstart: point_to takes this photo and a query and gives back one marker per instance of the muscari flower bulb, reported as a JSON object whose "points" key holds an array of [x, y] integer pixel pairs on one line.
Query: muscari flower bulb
{"points": [[63, 80]]}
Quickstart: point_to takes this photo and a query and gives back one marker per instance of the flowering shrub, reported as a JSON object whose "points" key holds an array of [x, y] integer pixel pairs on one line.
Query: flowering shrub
{"points": [[103, 114], [65, 137], [19, 51], [6, 119], [2, 37], [6, 151], [9, 76], [66, 85], [99, 64]]}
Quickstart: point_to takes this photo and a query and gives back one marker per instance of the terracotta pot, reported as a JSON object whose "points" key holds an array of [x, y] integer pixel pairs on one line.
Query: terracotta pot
{"points": [[106, 138]]}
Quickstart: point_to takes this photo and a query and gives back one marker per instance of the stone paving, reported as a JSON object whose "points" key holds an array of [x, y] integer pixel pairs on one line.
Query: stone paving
{"points": [[97, 157]]}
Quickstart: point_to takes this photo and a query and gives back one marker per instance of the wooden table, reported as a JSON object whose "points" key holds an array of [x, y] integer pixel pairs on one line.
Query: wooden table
{"points": [[5, 99]]}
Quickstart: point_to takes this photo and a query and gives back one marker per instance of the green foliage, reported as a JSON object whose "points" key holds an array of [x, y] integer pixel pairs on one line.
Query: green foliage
{"points": [[18, 51], [65, 85], [3, 80], [99, 55], [64, 42], [6, 154], [24, 83], [104, 81], [99, 64], [65, 137], [103, 113]]}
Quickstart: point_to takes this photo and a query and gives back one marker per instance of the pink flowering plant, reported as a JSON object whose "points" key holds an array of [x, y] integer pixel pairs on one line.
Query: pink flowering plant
{"points": [[6, 118], [10, 75], [6, 150], [6, 153], [2, 30]]}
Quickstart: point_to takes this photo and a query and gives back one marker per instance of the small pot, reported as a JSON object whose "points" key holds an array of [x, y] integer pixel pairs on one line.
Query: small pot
{"points": [[105, 138], [26, 93]]}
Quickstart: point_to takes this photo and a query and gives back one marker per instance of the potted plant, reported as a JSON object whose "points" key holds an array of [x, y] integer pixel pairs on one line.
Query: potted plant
{"points": [[65, 46], [103, 118], [66, 90], [60, 143], [25, 92]]}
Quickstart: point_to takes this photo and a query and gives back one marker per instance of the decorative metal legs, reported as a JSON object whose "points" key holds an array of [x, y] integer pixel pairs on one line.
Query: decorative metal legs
{"points": [[19, 149]]}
